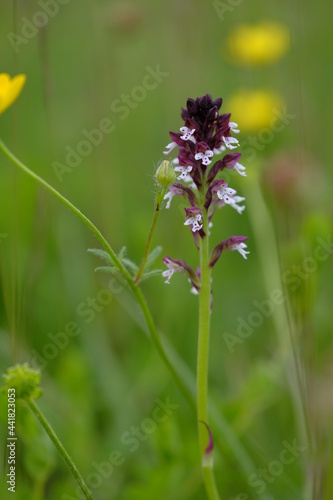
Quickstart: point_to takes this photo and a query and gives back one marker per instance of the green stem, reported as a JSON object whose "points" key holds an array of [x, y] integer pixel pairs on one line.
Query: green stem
{"points": [[159, 346], [72, 207], [234, 444], [203, 361], [136, 291], [159, 198], [57, 443]]}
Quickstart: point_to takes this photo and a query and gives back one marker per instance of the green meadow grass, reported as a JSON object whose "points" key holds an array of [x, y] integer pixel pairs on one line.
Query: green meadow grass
{"points": [[105, 381]]}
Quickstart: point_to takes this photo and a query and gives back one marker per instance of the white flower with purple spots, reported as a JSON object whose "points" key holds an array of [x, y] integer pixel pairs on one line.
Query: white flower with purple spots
{"points": [[227, 195], [231, 142], [185, 170], [193, 218], [194, 222], [187, 134], [205, 156]]}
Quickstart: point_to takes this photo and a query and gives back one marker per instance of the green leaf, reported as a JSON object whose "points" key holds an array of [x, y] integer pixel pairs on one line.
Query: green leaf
{"points": [[106, 269], [129, 264], [122, 253], [150, 274], [114, 271], [153, 256], [102, 254]]}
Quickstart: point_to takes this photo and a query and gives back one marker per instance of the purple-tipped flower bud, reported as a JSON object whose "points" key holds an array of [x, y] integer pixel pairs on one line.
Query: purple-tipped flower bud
{"points": [[165, 174]]}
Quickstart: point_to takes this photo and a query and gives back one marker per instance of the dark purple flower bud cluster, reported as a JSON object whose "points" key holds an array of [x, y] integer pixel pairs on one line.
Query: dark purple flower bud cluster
{"points": [[206, 134]]}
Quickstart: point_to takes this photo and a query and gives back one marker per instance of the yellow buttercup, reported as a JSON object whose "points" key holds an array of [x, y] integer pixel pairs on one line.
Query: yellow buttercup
{"points": [[260, 44], [10, 89], [254, 109]]}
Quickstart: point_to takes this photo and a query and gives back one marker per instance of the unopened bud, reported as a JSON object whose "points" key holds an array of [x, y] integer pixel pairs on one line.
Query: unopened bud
{"points": [[24, 380], [165, 174]]}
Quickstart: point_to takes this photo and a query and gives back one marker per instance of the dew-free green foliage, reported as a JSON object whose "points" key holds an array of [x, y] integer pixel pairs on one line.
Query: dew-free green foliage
{"points": [[24, 380], [100, 373]]}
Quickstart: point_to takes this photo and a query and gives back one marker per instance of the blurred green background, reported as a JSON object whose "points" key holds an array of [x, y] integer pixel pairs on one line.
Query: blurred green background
{"points": [[89, 55]]}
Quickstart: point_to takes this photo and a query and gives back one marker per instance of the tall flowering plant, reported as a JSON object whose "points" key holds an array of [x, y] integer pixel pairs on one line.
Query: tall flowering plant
{"points": [[204, 137], [194, 174]]}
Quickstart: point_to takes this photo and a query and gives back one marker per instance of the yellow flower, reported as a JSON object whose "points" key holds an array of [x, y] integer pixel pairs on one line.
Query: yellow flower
{"points": [[261, 44], [10, 89], [254, 109]]}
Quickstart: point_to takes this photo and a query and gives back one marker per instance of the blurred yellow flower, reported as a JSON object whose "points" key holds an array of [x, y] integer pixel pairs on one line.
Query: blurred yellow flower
{"points": [[10, 89], [254, 109], [261, 44]]}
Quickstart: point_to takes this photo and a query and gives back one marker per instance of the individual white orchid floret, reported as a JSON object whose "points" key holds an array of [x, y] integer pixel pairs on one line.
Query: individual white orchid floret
{"points": [[205, 157], [184, 172], [229, 141], [227, 195], [175, 161], [169, 147], [234, 127], [194, 222], [240, 247], [174, 266], [187, 134], [240, 169], [169, 195]]}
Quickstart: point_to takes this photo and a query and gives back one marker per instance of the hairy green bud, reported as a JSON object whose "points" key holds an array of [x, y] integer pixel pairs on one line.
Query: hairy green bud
{"points": [[165, 174]]}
